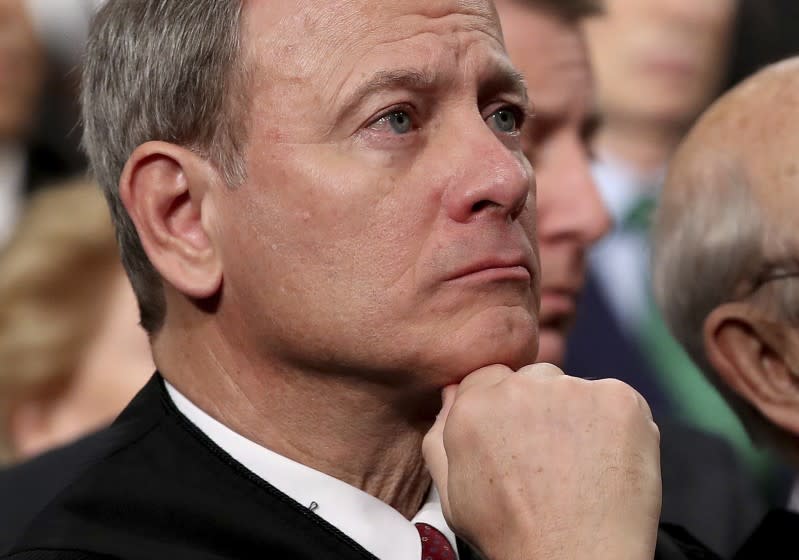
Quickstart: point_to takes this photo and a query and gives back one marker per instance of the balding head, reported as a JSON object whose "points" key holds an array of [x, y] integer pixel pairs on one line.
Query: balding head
{"points": [[726, 246], [755, 125]]}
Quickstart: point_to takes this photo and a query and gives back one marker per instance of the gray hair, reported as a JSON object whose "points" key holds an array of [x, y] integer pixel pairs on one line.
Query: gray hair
{"points": [[706, 240], [161, 70], [710, 240]]}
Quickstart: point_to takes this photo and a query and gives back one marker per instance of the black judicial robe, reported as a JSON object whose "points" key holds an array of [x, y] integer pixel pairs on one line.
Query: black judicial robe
{"points": [[774, 538], [152, 486]]}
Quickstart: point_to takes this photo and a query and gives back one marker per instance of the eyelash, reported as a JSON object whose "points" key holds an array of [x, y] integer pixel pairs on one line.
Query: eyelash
{"points": [[519, 113], [401, 108]]}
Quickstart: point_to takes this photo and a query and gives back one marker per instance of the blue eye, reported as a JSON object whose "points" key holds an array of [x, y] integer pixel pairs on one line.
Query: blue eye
{"points": [[504, 120], [399, 121]]}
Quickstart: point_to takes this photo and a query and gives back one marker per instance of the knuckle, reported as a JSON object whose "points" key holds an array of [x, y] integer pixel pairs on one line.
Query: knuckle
{"points": [[615, 388], [620, 396], [517, 390], [483, 377], [656, 433], [542, 369]]}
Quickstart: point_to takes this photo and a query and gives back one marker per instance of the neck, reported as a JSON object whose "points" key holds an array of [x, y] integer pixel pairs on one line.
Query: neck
{"points": [[645, 147], [305, 416]]}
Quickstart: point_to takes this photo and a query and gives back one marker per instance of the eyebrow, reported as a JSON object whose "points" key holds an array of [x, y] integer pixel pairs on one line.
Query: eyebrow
{"points": [[503, 78], [387, 80]]}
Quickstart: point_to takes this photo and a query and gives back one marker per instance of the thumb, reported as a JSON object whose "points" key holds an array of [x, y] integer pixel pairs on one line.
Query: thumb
{"points": [[435, 455]]}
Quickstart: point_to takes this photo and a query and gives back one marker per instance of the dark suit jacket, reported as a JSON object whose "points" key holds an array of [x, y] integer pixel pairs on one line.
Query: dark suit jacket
{"points": [[598, 347], [774, 539], [153, 486]]}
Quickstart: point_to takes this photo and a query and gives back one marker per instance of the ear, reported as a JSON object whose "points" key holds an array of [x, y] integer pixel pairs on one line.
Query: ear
{"points": [[165, 189], [751, 355]]}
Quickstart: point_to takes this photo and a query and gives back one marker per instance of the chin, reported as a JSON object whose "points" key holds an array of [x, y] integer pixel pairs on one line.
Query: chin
{"points": [[551, 347], [497, 336], [511, 342]]}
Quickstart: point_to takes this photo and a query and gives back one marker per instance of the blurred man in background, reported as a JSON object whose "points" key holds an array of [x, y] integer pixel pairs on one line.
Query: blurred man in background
{"points": [[40, 46], [22, 76], [61, 27], [704, 486], [726, 265], [658, 64]]}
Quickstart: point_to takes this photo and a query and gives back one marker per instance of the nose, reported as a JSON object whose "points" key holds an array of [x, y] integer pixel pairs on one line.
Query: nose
{"points": [[493, 179], [569, 205]]}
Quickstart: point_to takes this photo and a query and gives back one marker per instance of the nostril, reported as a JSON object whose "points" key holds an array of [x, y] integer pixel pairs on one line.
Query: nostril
{"points": [[481, 205]]}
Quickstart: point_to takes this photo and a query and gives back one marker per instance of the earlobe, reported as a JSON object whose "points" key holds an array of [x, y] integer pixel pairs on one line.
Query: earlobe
{"points": [[749, 356], [165, 189]]}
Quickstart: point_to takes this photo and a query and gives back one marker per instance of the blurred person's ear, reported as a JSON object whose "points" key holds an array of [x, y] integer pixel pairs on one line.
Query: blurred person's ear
{"points": [[31, 426], [757, 358], [166, 191]]}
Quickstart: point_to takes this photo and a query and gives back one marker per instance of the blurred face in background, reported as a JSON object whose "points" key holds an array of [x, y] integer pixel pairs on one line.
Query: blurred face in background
{"points": [[660, 60], [22, 71], [552, 56], [113, 367]]}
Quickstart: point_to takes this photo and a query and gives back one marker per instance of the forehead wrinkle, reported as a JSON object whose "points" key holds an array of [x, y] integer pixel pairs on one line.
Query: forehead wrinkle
{"points": [[289, 50], [306, 33], [290, 43], [432, 69]]}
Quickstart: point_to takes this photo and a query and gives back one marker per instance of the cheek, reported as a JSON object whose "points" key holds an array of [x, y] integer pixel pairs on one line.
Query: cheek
{"points": [[353, 223]]}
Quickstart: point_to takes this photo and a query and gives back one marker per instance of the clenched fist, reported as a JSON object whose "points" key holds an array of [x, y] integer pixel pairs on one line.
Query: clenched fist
{"points": [[538, 465]]}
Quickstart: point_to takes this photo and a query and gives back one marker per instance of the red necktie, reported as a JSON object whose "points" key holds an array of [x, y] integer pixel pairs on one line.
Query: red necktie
{"points": [[435, 546]]}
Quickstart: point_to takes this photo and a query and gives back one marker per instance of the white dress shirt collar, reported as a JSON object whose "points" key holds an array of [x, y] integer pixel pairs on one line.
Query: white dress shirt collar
{"points": [[373, 524], [621, 187]]}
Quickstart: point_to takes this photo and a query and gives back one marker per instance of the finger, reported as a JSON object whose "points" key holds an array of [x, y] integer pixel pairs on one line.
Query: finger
{"points": [[542, 369], [619, 385], [433, 450], [483, 377], [433, 444]]}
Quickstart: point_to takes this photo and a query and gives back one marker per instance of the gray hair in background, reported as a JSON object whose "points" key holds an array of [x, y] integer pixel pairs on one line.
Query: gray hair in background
{"points": [[162, 70], [710, 242], [706, 241]]}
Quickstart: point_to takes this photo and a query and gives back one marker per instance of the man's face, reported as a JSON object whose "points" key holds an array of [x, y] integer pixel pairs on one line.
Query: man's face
{"points": [[385, 229], [570, 216], [660, 60]]}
